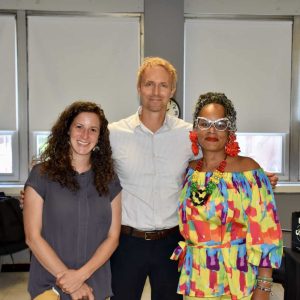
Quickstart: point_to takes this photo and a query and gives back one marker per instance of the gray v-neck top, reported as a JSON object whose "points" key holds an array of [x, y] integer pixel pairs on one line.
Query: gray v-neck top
{"points": [[74, 224]]}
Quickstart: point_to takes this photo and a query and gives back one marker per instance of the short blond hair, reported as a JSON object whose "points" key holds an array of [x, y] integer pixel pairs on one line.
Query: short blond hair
{"points": [[157, 61]]}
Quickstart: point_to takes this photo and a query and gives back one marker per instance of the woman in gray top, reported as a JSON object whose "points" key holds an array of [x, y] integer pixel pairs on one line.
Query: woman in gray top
{"points": [[72, 209]]}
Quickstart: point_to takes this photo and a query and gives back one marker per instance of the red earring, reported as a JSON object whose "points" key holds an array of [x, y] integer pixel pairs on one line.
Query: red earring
{"points": [[194, 140], [232, 147]]}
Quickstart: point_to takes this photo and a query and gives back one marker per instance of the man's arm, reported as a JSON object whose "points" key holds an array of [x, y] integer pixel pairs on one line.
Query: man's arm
{"points": [[273, 179]]}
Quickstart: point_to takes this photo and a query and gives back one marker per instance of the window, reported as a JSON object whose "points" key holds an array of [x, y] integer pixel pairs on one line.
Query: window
{"points": [[6, 166], [8, 97], [250, 61], [75, 57], [39, 141], [72, 58], [57, 60], [266, 149], [9, 160]]}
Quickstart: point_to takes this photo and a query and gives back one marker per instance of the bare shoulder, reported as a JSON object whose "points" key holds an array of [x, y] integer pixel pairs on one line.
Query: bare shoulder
{"points": [[242, 164]]}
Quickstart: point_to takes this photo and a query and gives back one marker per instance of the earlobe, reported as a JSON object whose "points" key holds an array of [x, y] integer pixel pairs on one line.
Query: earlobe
{"points": [[173, 92]]}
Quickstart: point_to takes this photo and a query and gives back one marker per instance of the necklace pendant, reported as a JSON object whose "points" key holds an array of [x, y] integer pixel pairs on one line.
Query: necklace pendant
{"points": [[199, 197]]}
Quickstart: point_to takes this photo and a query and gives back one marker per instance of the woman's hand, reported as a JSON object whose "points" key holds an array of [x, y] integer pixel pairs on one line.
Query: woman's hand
{"points": [[70, 280], [260, 295], [264, 280], [84, 292]]}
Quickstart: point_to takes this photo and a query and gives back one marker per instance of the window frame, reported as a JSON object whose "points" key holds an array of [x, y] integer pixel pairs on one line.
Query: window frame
{"points": [[34, 142], [14, 175], [284, 175], [291, 145]]}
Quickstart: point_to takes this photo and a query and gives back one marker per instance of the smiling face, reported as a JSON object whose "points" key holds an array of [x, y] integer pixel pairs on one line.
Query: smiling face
{"points": [[84, 133], [212, 139], [155, 89]]}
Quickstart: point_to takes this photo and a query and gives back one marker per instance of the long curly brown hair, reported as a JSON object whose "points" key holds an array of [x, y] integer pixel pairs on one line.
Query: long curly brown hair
{"points": [[56, 158]]}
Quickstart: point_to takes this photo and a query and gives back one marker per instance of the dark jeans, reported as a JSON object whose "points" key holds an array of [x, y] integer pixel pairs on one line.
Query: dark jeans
{"points": [[137, 258]]}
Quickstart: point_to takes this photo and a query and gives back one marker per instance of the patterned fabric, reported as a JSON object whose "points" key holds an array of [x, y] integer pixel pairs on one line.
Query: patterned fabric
{"points": [[223, 297], [227, 239]]}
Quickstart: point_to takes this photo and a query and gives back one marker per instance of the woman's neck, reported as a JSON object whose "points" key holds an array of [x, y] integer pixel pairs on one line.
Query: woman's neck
{"points": [[81, 164], [211, 160]]}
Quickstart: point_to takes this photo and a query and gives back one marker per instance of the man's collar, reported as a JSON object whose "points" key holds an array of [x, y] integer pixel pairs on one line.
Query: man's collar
{"points": [[136, 120]]}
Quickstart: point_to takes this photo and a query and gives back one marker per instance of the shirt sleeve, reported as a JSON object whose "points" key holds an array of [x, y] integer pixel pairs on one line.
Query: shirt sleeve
{"points": [[264, 235], [37, 181], [114, 188]]}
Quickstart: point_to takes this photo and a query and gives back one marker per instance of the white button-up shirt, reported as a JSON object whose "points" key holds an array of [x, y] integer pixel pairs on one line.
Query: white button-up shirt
{"points": [[150, 167]]}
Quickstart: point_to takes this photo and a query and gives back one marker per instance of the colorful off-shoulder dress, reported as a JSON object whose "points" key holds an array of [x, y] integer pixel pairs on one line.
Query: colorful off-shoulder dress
{"points": [[229, 237]]}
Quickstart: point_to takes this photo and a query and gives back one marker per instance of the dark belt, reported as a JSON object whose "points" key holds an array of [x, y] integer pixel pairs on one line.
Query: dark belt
{"points": [[148, 235]]}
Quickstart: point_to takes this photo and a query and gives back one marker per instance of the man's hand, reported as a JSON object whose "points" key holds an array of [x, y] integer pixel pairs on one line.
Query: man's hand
{"points": [[273, 179], [21, 200]]}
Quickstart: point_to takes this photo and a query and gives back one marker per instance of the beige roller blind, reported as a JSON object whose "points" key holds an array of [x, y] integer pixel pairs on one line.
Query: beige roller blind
{"points": [[249, 60], [75, 57], [8, 81]]}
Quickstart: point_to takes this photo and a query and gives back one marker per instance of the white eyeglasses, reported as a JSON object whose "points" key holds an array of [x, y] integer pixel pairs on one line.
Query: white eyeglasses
{"points": [[220, 124]]}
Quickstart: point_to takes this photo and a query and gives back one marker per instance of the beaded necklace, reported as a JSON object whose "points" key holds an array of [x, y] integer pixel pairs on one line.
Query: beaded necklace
{"points": [[200, 195]]}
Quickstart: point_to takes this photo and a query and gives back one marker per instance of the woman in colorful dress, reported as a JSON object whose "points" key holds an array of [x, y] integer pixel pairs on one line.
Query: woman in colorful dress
{"points": [[227, 214], [72, 209]]}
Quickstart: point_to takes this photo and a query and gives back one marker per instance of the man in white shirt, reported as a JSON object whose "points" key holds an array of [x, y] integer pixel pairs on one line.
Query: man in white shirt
{"points": [[151, 151]]}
